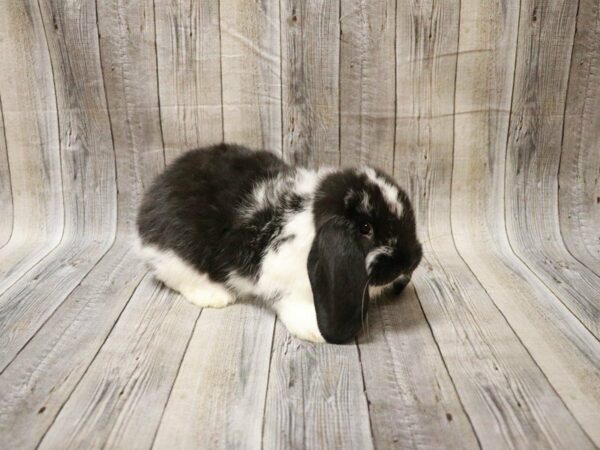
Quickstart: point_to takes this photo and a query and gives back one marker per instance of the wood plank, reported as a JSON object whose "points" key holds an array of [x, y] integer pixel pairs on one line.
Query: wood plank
{"points": [[315, 396], [251, 68], [41, 378], [87, 161], [120, 400], [412, 401], [507, 397], [38, 382], [367, 82], [533, 157], [578, 181], [310, 36], [32, 141], [562, 348], [128, 55], [189, 74], [219, 395], [6, 204]]}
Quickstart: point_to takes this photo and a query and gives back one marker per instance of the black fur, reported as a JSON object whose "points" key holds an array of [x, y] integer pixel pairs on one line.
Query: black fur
{"points": [[336, 268], [193, 209]]}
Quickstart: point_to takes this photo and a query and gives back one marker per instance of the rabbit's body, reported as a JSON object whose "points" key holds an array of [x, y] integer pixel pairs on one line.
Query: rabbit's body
{"points": [[227, 221]]}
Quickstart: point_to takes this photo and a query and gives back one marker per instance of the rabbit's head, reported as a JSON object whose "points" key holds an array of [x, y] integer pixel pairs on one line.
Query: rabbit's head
{"points": [[365, 238]]}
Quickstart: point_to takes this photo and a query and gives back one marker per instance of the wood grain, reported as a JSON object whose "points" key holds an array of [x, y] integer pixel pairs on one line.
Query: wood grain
{"points": [[219, 395], [543, 325], [315, 396], [6, 204], [124, 391], [251, 67], [485, 111], [412, 399], [367, 82], [128, 57], [41, 377], [32, 140], [189, 74], [533, 156], [579, 169], [310, 39], [88, 169]]}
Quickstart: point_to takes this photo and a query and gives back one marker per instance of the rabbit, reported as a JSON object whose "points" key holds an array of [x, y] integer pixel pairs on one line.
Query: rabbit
{"points": [[314, 245]]}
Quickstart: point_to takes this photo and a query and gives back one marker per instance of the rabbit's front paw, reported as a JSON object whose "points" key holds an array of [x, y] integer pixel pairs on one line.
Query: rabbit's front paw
{"points": [[300, 319], [209, 295]]}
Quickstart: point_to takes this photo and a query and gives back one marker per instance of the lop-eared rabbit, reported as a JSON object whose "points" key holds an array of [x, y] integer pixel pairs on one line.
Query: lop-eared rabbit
{"points": [[314, 245]]}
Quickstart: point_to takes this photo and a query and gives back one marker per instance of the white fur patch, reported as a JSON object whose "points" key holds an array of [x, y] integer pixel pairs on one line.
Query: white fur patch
{"points": [[300, 318], [283, 275], [180, 276], [374, 254], [390, 193]]}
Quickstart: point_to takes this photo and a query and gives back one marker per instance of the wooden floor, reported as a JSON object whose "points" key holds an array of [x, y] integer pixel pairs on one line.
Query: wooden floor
{"points": [[487, 112]]}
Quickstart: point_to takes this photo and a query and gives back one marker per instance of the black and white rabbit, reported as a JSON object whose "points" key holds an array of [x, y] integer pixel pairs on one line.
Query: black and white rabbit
{"points": [[225, 221]]}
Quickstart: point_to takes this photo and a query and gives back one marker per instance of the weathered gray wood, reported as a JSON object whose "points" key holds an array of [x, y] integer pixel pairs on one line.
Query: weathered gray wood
{"points": [[579, 183], [310, 39], [128, 56], [251, 68], [544, 326], [120, 400], [315, 397], [412, 401], [491, 337], [87, 161], [6, 205], [189, 73], [533, 157], [367, 82], [43, 375], [31, 132], [508, 398], [465, 322], [219, 395]]}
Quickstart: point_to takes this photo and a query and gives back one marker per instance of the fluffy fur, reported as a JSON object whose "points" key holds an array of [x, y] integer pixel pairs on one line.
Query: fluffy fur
{"points": [[314, 245]]}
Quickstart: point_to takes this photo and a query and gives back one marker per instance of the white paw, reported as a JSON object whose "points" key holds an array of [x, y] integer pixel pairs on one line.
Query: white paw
{"points": [[209, 297], [300, 319]]}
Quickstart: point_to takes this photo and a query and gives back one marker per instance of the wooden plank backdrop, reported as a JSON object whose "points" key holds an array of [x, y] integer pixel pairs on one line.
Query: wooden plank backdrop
{"points": [[488, 113]]}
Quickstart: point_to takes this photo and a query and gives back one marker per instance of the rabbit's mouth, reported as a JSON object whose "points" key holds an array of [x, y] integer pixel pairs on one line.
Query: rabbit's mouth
{"points": [[393, 287]]}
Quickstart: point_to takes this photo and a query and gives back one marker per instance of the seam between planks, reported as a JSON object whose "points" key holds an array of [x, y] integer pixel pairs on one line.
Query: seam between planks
{"points": [[12, 197], [221, 71], [446, 366], [162, 414], [339, 83], [395, 86], [365, 393], [262, 428], [160, 122], [281, 90]]}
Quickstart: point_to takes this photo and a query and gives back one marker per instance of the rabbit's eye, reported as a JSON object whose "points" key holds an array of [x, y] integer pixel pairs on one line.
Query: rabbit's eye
{"points": [[365, 228]]}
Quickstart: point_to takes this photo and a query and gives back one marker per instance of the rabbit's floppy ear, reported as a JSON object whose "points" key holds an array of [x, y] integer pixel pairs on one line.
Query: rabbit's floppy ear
{"points": [[338, 277]]}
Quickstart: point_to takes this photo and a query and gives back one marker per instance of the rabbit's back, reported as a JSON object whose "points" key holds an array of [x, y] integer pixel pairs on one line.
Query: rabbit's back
{"points": [[193, 205]]}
